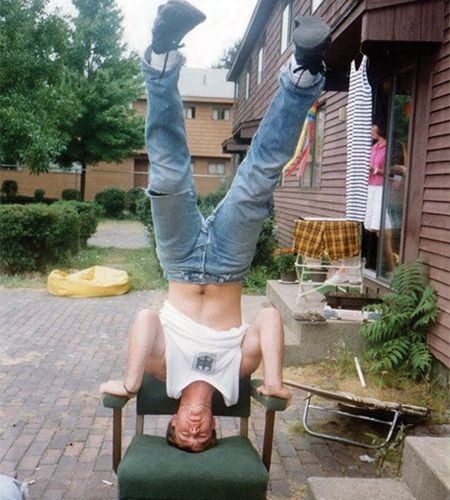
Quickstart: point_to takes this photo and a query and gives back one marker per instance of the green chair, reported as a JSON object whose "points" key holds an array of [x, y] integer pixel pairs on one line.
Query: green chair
{"points": [[153, 469]]}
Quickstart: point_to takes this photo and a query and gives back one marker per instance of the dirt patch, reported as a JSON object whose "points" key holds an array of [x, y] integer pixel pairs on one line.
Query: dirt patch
{"points": [[330, 376]]}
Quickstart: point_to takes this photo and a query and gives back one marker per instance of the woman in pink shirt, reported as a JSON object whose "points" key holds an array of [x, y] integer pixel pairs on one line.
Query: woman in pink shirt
{"points": [[375, 194]]}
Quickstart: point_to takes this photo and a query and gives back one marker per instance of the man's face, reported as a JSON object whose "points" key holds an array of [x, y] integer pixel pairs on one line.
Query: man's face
{"points": [[193, 427]]}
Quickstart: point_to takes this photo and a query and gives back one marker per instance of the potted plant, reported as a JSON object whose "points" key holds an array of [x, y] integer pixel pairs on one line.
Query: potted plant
{"points": [[284, 261]]}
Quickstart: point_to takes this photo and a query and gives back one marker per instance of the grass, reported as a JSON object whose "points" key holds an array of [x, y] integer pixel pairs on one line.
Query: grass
{"points": [[140, 264]]}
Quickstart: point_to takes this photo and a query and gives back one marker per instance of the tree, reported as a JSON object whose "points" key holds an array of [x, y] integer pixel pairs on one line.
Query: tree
{"points": [[36, 90], [228, 56], [106, 129]]}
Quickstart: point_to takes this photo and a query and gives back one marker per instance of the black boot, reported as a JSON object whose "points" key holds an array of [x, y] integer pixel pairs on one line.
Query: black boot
{"points": [[311, 38], [174, 20]]}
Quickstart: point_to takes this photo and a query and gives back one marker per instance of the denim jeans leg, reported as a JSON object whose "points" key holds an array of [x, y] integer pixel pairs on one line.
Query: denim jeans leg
{"points": [[237, 221], [176, 219]]}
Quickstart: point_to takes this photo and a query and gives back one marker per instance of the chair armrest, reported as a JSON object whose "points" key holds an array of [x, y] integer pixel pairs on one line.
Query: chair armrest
{"points": [[270, 403], [114, 402]]}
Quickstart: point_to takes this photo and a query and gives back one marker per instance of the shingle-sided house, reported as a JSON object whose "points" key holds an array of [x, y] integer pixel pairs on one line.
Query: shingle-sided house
{"points": [[405, 47]]}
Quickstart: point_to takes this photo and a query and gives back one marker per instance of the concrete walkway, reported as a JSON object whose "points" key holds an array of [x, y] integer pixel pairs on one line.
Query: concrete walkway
{"points": [[54, 432], [120, 234]]}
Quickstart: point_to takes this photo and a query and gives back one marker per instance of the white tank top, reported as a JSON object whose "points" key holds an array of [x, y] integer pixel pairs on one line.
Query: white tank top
{"points": [[195, 352]]}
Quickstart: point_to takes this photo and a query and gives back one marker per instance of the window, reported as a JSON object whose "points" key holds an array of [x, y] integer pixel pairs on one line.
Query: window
{"points": [[311, 176], [74, 168], [9, 166], [247, 85], [189, 112], [221, 114], [216, 168], [260, 65], [286, 25]]}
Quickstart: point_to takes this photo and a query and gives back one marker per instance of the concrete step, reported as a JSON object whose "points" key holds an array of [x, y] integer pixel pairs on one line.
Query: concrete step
{"points": [[337, 488], [425, 476], [426, 467], [311, 341]]}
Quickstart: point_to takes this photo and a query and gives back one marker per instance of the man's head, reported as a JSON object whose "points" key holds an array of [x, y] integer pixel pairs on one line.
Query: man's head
{"points": [[192, 428]]}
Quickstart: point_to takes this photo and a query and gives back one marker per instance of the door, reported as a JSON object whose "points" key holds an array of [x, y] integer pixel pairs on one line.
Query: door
{"points": [[393, 99]]}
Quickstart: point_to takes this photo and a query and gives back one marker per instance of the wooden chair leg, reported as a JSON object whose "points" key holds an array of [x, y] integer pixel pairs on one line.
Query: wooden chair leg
{"points": [[117, 437], [268, 438]]}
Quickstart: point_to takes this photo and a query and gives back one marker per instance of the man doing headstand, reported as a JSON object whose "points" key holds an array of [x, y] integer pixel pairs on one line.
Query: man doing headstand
{"points": [[198, 342]]}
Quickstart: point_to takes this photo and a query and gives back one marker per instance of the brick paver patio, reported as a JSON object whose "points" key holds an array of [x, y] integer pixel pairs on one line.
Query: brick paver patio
{"points": [[54, 432]]}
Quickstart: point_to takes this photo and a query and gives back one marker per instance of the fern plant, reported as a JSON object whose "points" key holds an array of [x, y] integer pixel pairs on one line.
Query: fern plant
{"points": [[397, 339]]}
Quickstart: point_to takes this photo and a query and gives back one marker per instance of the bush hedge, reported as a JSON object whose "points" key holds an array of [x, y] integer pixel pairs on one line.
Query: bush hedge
{"points": [[132, 199], [33, 237], [70, 194], [89, 213], [9, 188], [112, 200]]}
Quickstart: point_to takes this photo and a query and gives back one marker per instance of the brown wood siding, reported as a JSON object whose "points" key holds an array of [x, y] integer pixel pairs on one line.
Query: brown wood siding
{"points": [[428, 205], [260, 95], [408, 21], [328, 199], [435, 223]]}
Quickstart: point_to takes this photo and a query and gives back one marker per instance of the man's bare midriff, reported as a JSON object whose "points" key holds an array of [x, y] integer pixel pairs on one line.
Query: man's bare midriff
{"points": [[215, 306]]}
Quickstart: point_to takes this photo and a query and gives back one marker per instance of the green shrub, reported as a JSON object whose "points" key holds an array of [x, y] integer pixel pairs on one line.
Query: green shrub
{"points": [[266, 246], [255, 281], [35, 236], [144, 213], [208, 202], [132, 199], [112, 200], [398, 339], [9, 188], [39, 195], [71, 194], [89, 213]]}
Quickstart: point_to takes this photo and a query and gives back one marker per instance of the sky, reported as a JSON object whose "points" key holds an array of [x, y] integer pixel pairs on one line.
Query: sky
{"points": [[225, 24]]}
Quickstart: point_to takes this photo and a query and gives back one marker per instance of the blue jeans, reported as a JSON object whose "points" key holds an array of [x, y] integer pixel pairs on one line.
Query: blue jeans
{"points": [[220, 248]]}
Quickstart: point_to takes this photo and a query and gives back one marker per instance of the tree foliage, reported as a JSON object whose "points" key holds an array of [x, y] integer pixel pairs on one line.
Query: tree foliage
{"points": [[66, 88], [106, 129], [228, 57], [36, 88]]}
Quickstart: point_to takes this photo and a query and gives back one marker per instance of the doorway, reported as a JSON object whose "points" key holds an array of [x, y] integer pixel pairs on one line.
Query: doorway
{"points": [[392, 106]]}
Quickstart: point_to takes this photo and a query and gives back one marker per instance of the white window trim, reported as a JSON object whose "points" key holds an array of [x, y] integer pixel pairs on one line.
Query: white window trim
{"points": [[315, 5], [260, 65], [286, 26], [247, 85]]}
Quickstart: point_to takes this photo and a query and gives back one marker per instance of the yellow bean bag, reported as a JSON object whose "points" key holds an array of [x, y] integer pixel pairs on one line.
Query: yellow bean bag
{"points": [[96, 281]]}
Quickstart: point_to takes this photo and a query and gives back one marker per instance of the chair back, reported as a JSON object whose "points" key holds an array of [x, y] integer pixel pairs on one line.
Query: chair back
{"points": [[152, 399]]}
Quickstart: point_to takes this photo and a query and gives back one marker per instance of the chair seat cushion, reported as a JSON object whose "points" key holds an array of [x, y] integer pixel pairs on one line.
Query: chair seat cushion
{"points": [[152, 469]]}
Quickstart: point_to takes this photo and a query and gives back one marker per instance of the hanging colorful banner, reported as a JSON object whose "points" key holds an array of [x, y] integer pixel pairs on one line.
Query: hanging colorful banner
{"points": [[299, 161]]}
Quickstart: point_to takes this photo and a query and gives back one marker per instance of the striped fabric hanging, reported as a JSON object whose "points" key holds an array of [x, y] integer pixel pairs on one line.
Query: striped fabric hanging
{"points": [[359, 122]]}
